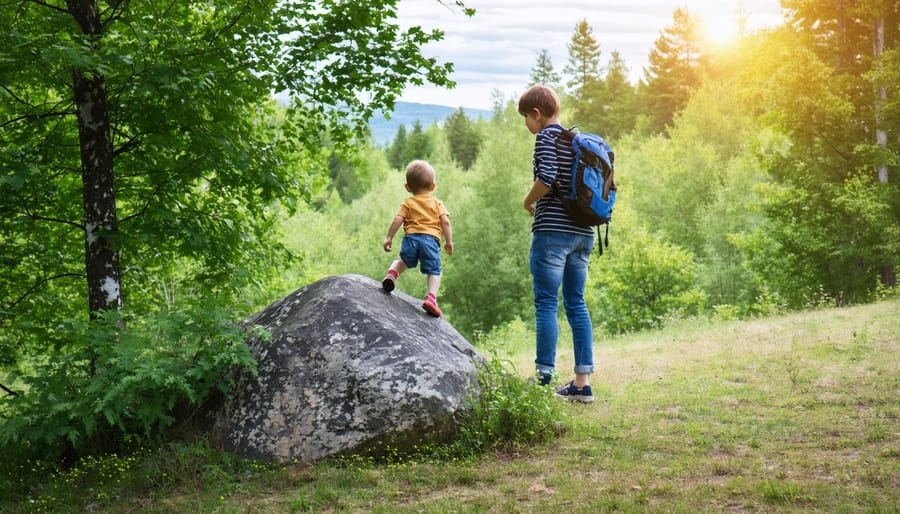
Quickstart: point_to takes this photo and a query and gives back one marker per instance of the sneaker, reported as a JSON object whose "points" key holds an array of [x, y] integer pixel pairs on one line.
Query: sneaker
{"points": [[430, 306], [574, 394], [389, 282], [542, 378]]}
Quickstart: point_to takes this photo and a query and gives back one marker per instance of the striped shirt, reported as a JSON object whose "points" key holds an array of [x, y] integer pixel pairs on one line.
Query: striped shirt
{"points": [[553, 160]]}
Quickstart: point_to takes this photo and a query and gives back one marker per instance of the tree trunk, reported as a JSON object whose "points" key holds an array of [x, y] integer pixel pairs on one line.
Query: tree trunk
{"points": [[880, 133], [888, 277], [101, 257]]}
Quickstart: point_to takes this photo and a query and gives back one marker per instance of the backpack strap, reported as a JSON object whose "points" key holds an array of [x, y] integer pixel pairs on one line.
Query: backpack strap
{"points": [[566, 135], [609, 175], [605, 241]]}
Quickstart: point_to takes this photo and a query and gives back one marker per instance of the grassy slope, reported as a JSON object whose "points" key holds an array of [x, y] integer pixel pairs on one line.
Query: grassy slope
{"points": [[795, 413]]}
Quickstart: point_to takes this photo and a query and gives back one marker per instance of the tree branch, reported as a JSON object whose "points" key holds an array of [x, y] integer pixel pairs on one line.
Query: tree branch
{"points": [[14, 96], [37, 217], [50, 6], [114, 13], [41, 282], [834, 147], [130, 144], [9, 392], [37, 117], [143, 208], [229, 25]]}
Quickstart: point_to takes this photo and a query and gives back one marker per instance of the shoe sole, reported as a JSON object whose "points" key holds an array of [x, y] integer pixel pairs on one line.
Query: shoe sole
{"points": [[576, 398], [388, 285], [431, 309]]}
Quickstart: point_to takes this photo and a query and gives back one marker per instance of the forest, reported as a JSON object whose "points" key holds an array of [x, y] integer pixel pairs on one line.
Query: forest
{"points": [[153, 193]]}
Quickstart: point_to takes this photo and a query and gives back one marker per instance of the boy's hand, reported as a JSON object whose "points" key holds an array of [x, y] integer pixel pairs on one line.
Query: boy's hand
{"points": [[387, 244], [449, 247], [538, 190]]}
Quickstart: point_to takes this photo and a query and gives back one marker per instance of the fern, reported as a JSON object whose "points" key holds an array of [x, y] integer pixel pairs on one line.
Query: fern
{"points": [[112, 385]]}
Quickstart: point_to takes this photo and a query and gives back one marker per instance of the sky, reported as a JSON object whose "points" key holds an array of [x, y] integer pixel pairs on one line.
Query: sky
{"points": [[496, 49]]}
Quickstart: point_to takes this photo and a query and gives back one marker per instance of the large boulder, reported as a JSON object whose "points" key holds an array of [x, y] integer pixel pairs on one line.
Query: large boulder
{"points": [[348, 369]]}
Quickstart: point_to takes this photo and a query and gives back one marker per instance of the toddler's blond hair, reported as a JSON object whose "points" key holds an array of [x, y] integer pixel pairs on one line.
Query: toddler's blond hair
{"points": [[419, 175]]}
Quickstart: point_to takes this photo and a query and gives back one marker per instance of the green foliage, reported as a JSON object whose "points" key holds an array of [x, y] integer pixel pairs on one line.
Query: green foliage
{"points": [[195, 165], [726, 183], [463, 138], [840, 248], [543, 72], [672, 180], [195, 188], [510, 413], [618, 104], [644, 283], [489, 282], [596, 100], [352, 175], [823, 209], [99, 481], [842, 32], [673, 73], [417, 143], [395, 152], [885, 75], [726, 203], [584, 59], [109, 384]]}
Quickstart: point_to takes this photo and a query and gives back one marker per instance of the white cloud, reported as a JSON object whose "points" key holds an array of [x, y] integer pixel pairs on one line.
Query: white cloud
{"points": [[497, 48]]}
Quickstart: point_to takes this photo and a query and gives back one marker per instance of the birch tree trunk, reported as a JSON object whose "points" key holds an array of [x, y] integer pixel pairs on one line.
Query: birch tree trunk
{"points": [[888, 277], [98, 187]]}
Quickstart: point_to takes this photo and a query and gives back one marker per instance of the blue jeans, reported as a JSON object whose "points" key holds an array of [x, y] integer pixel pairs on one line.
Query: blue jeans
{"points": [[559, 258]]}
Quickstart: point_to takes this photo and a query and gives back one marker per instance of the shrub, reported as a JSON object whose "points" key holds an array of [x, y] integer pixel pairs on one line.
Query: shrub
{"points": [[646, 282], [111, 385], [509, 413]]}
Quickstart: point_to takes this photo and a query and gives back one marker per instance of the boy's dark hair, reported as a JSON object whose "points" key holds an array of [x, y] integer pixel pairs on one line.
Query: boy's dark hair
{"points": [[419, 175], [540, 97]]}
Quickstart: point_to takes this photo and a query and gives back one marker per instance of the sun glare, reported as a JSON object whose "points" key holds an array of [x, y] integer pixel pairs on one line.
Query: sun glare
{"points": [[721, 31]]}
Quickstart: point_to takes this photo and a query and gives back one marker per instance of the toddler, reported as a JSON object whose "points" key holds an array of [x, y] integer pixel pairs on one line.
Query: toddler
{"points": [[424, 219]]}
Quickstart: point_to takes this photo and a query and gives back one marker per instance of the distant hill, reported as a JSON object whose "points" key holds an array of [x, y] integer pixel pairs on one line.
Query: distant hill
{"points": [[406, 114]]}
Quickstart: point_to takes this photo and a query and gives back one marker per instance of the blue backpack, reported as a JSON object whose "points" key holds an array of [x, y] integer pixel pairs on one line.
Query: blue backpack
{"points": [[592, 194]]}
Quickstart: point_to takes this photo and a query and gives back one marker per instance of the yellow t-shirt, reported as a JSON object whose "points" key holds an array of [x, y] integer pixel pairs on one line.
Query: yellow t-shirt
{"points": [[422, 215]]}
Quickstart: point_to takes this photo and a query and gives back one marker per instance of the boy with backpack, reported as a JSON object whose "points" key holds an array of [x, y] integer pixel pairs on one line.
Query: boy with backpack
{"points": [[560, 249], [424, 219]]}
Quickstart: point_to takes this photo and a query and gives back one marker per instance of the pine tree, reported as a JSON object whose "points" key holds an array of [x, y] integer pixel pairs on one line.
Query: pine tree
{"points": [[673, 74], [418, 144], [584, 59], [397, 150], [608, 106], [463, 138], [621, 99], [543, 72], [498, 104]]}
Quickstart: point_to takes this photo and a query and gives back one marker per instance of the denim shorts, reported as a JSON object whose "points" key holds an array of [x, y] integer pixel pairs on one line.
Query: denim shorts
{"points": [[423, 248]]}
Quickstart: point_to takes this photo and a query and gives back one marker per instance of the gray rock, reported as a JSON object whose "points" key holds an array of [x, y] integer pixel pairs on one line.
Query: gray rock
{"points": [[349, 369]]}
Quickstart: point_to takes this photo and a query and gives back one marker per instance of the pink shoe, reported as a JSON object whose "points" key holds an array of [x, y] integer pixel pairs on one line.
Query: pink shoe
{"points": [[430, 306], [389, 282]]}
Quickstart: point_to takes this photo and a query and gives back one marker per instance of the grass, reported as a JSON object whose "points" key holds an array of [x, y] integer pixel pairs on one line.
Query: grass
{"points": [[797, 413]]}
